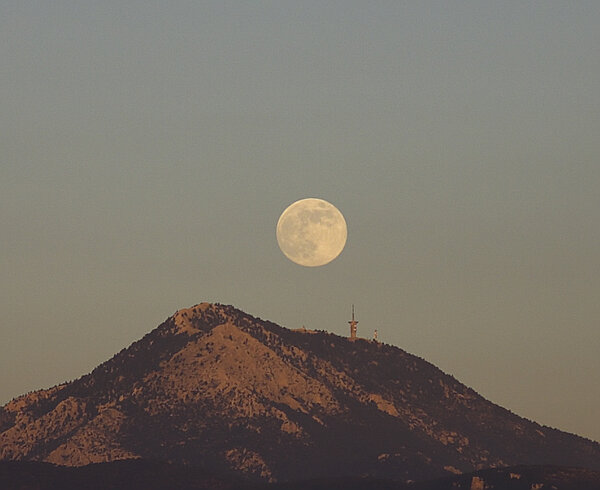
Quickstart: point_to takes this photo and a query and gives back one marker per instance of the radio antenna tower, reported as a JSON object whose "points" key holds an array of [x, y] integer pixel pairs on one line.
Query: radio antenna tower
{"points": [[353, 324]]}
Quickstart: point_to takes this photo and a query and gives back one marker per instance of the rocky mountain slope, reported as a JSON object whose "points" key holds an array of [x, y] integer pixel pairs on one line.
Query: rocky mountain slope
{"points": [[236, 395]]}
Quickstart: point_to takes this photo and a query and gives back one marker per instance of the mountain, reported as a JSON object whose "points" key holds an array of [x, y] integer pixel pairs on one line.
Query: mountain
{"points": [[234, 395]]}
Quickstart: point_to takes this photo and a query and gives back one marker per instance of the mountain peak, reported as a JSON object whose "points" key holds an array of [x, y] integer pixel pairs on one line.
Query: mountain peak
{"points": [[215, 387], [205, 316], [186, 318]]}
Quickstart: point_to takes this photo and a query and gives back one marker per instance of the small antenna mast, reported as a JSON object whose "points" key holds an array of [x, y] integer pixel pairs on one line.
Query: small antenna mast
{"points": [[353, 324]]}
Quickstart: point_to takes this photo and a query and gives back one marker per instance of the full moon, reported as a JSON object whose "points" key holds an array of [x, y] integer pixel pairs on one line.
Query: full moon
{"points": [[311, 232]]}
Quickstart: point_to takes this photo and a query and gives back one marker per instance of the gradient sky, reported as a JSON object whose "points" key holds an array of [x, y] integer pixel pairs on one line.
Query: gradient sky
{"points": [[147, 150]]}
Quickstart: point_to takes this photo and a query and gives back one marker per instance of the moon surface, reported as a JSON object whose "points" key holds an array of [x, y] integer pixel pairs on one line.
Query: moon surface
{"points": [[311, 232]]}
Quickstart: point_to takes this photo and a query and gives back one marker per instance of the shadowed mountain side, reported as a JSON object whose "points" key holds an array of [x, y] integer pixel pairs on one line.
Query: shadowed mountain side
{"points": [[236, 395]]}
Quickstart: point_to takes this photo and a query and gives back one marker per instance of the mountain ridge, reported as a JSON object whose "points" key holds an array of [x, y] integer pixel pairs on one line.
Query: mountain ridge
{"points": [[216, 387], [139, 474]]}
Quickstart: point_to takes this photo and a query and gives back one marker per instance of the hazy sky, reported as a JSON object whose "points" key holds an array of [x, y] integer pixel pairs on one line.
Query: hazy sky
{"points": [[147, 150]]}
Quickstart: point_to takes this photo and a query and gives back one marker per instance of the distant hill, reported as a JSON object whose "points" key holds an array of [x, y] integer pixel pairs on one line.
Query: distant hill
{"points": [[239, 397]]}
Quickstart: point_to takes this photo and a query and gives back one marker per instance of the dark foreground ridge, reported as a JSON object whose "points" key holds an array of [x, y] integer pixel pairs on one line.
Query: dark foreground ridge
{"points": [[242, 398], [132, 474], [156, 475]]}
